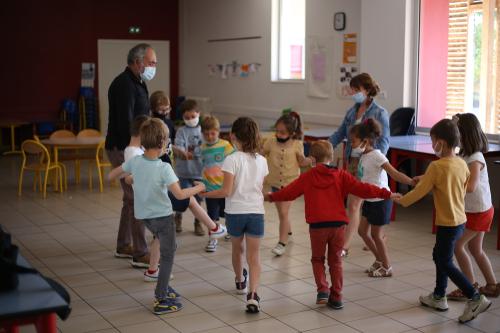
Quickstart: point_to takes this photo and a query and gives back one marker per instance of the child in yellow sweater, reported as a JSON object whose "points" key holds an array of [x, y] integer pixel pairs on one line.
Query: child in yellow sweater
{"points": [[447, 178]]}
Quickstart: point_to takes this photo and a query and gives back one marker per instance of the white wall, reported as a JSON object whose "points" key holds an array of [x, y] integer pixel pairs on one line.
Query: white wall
{"points": [[383, 47], [256, 95]]}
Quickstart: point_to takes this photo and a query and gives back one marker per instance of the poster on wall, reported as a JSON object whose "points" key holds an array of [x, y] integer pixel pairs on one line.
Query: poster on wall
{"points": [[320, 68], [346, 73], [88, 74], [350, 48]]}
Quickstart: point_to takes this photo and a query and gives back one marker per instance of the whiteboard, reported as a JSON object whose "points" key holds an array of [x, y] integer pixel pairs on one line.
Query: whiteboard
{"points": [[112, 60]]}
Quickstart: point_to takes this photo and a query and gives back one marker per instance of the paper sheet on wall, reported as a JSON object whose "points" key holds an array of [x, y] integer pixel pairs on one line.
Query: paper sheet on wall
{"points": [[320, 70], [350, 49]]}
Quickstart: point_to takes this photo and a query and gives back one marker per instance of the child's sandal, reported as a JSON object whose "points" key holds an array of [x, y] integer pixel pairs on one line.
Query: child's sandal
{"points": [[456, 295], [381, 272], [344, 253], [490, 290], [373, 267]]}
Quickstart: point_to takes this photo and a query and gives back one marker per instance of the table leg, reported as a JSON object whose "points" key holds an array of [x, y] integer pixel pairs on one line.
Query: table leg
{"points": [[394, 162], [12, 142], [46, 323]]}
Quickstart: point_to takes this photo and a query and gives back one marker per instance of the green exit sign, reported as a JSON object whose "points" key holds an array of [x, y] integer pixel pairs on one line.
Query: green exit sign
{"points": [[134, 30]]}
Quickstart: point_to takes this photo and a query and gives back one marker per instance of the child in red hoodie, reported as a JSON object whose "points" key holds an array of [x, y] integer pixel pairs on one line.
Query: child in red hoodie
{"points": [[325, 189]]}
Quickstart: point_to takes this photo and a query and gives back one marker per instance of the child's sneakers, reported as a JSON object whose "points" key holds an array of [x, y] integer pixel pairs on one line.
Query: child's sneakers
{"points": [[241, 286], [335, 304], [211, 245], [152, 276], [167, 305], [253, 303], [473, 308], [172, 294], [440, 304], [227, 237], [279, 249], [220, 232], [322, 297]]}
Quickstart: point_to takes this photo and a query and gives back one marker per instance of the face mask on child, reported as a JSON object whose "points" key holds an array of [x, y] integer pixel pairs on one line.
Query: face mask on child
{"points": [[282, 140], [359, 97], [439, 152], [192, 122], [358, 151]]}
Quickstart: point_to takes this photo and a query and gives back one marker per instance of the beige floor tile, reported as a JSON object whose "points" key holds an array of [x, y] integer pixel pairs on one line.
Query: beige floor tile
{"points": [[378, 324], [197, 289], [237, 315], [350, 312], [359, 292], [264, 326], [113, 302], [87, 323], [417, 317], [216, 301], [282, 306], [291, 288], [86, 279], [384, 304], [195, 322], [225, 329], [486, 322], [307, 320], [452, 326], [157, 326], [97, 290], [129, 316], [339, 328]]}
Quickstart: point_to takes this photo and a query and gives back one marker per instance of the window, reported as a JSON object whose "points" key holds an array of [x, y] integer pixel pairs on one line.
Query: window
{"points": [[462, 78], [288, 40]]}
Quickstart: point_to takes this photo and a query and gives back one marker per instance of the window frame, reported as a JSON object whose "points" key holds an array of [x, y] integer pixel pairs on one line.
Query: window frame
{"points": [[276, 42]]}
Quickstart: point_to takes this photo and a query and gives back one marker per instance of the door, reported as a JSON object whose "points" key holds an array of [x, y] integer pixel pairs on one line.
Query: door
{"points": [[112, 60]]}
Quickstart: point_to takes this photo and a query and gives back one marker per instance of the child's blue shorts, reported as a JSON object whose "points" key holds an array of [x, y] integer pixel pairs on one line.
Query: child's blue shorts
{"points": [[245, 224]]}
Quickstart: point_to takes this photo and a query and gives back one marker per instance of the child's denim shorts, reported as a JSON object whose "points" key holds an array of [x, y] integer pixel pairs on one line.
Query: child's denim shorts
{"points": [[245, 224]]}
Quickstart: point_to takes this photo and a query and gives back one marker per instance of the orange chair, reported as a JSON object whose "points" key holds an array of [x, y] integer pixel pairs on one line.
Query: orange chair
{"points": [[101, 163], [86, 154], [36, 158]]}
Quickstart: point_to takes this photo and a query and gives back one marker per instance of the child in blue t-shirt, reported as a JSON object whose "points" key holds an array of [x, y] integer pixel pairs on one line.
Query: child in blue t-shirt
{"points": [[152, 181]]}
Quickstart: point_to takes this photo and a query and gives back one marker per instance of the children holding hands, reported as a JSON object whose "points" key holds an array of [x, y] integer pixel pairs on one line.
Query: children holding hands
{"points": [[447, 178], [325, 189]]}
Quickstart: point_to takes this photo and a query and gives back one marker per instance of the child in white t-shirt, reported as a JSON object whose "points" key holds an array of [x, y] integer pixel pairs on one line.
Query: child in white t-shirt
{"points": [[478, 208], [373, 167], [244, 172]]}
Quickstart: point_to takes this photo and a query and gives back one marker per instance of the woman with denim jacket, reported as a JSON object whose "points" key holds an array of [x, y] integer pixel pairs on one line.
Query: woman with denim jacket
{"points": [[364, 90]]}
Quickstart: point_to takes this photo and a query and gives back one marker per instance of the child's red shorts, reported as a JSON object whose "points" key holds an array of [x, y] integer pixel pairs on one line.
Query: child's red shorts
{"points": [[480, 221]]}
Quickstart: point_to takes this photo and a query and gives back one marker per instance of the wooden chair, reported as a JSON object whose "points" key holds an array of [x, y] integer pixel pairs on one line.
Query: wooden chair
{"points": [[87, 155], [36, 158], [101, 163]]}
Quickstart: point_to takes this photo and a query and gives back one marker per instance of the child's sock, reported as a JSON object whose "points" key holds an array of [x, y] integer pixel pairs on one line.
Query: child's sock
{"points": [[216, 227], [152, 271], [282, 243]]}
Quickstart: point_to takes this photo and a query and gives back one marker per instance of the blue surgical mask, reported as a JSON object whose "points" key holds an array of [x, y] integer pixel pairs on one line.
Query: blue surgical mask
{"points": [[149, 73], [359, 97]]}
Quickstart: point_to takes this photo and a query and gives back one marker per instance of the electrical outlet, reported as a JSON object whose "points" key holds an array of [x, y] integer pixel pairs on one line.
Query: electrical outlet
{"points": [[383, 94]]}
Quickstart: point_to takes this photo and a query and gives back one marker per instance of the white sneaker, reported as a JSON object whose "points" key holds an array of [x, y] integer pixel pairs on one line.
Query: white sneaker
{"points": [[219, 233], [440, 304], [279, 249], [227, 237], [151, 277], [474, 308], [211, 246]]}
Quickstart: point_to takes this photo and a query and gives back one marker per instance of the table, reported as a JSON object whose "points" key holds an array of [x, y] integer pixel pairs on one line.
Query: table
{"points": [[72, 143], [419, 147], [12, 125], [33, 302]]}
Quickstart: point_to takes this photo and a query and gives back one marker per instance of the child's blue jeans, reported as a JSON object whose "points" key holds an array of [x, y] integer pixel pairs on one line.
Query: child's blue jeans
{"points": [[446, 237]]}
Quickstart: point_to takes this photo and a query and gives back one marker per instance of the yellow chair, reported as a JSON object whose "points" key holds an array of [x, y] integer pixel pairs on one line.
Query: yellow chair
{"points": [[86, 154], [101, 163], [63, 167], [36, 158], [66, 155]]}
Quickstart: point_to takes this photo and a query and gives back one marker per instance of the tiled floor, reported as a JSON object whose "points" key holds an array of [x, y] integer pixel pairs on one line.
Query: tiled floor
{"points": [[71, 237]]}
